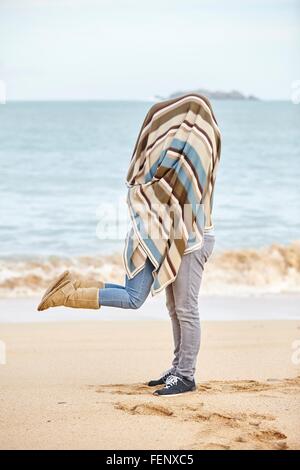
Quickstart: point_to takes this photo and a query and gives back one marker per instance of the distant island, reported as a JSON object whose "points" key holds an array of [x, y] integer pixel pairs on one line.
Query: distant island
{"points": [[217, 95]]}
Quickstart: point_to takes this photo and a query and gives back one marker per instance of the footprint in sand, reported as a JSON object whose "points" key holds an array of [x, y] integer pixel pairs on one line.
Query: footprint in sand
{"points": [[124, 389], [260, 416], [269, 435], [228, 428], [218, 419], [249, 386], [144, 409], [218, 429], [236, 432]]}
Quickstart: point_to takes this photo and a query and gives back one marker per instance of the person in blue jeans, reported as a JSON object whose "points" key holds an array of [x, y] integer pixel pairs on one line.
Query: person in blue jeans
{"points": [[181, 300]]}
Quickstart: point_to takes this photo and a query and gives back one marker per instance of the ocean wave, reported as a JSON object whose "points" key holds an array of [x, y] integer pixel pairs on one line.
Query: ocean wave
{"points": [[273, 269]]}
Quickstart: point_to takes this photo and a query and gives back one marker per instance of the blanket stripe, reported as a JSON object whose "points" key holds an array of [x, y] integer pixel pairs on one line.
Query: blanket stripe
{"points": [[171, 179]]}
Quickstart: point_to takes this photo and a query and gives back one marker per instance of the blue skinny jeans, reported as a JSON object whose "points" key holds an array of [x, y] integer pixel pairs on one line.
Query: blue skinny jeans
{"points": [[133, 294]]}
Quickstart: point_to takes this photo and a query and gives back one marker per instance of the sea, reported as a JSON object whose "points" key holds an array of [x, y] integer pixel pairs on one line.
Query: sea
{"points": [[62, 191]]}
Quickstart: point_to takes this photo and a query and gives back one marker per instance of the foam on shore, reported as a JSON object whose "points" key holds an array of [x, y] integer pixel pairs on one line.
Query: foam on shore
{"points": [[273, 269]]}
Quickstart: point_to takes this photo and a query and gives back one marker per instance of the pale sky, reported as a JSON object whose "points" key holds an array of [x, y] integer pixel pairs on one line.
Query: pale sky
{"points": [[135, 49]]}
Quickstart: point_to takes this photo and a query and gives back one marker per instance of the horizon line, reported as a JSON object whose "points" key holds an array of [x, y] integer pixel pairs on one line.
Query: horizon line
{"points": [[145, 100]]}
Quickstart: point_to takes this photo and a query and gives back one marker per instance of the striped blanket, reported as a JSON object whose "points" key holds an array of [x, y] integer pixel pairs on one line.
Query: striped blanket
{"points": [[170, 181]]}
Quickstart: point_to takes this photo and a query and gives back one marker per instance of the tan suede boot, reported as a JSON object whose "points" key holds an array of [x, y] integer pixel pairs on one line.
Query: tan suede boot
{"points": [[80, 281], [65, 276], [77, 281], [66, 295]]}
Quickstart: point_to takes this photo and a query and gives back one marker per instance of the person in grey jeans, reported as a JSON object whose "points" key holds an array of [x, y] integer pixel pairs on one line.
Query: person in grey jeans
{"points": [[182, 303]]}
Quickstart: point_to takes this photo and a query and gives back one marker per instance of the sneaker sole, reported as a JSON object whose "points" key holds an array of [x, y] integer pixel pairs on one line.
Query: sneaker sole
{"points": [[176, 394], [156, 385]]}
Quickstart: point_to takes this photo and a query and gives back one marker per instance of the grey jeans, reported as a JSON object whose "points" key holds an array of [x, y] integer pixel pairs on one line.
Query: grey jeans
{"points": [[182, 303]]}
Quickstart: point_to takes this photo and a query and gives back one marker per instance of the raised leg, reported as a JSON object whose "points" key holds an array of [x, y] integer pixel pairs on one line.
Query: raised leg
{"points": [[133, 294]]}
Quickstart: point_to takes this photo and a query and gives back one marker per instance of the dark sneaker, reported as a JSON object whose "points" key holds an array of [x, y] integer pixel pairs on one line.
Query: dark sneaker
{"points": [[161, 381], [176, 385]]}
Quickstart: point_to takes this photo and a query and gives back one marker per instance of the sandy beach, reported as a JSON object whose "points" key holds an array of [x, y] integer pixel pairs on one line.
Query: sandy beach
{"points": [[81, 385], [108, 165]]}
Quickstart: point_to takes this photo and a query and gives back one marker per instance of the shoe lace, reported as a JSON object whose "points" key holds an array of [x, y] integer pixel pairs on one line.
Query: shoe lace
{"points": [[171, 380]]}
